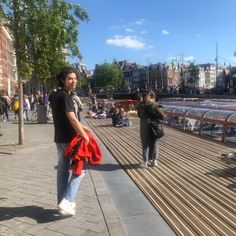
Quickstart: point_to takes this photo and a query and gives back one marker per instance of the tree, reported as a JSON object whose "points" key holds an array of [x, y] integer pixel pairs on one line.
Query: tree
{"points": [[53, 32], [55, 35], [193, 75], [15, 20], [45, 32], [108, 75]]}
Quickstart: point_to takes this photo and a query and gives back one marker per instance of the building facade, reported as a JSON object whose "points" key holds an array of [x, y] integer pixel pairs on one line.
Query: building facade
{"points": [[8, 69]]}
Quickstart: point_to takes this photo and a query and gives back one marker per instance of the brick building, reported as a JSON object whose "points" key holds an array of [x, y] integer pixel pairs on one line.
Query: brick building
{"points": [[8, 75]]}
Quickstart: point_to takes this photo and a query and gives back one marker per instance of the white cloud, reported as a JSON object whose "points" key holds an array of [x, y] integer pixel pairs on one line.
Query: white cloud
{"points": [[189, 58], [143, 32], [129, 30], [126, 41], [165, 32], [115, 27], [150, 46], [139, 22], [198, 35]]}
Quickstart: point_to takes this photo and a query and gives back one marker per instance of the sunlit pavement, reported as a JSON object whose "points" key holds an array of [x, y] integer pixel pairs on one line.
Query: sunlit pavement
{"points": [[28, 192]]}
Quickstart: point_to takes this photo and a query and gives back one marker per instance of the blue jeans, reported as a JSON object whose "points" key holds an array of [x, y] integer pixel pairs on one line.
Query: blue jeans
{"points": [[150, 149], [66, 187]]}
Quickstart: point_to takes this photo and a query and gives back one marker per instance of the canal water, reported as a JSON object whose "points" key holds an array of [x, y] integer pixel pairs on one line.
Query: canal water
{"points": [[222, 104]]}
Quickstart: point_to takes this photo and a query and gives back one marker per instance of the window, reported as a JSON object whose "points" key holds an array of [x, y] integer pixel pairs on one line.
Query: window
{"points": [[192, 125], [230, 134], [212, 130], [177, 122]]}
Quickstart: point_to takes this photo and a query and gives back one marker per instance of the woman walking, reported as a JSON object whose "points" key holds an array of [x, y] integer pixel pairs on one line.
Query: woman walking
{"points": [[147, 109]]}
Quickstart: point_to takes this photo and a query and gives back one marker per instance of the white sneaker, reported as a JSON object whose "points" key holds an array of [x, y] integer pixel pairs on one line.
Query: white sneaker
{"points": [[154, 163], [64, 213], [143, 164], [73, 205], [66, 207]]}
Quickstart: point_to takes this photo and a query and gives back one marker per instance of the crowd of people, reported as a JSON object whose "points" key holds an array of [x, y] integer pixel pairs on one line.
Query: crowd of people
{"points": [[101, 110], [30, 103]]}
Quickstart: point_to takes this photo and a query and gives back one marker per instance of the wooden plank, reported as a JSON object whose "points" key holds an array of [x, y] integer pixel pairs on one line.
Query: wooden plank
{"points": [[190, 186]]}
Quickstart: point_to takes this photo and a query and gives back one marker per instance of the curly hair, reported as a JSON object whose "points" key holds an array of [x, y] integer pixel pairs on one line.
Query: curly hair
{"points": [[61, 77]]}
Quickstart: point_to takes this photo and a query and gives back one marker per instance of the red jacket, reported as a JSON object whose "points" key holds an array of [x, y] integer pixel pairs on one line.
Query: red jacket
{"points": [[79, 151]]}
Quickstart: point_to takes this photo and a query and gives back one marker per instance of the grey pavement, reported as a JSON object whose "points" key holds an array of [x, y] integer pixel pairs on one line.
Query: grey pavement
{"points": [[108, 202]]}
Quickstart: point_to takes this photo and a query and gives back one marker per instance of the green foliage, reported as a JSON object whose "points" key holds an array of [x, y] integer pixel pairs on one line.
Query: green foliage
{"points": [[1, 13], [45, 33], [108, 75], [82, 81], [194, 74], [125, 86]]}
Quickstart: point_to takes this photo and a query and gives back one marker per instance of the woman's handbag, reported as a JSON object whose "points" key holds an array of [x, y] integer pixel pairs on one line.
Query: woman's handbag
{"points": [[156, 129], [154, 120]]}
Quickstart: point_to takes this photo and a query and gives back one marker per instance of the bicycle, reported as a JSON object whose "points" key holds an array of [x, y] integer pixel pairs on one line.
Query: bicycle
{"points": [[34, 116]]}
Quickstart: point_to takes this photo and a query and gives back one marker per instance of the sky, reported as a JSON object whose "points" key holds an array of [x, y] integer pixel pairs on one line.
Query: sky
{"points": [[153, 31]]}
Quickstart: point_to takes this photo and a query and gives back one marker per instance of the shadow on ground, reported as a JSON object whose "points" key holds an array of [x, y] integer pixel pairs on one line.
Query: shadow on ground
{"points": [[106, 125], [227, 173], [37, 213], [112, 167], [223, 173], [9, 149], [106, 167]]}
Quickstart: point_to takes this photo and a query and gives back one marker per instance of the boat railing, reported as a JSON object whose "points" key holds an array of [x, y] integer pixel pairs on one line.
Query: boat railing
{"points": [[214, 124]]}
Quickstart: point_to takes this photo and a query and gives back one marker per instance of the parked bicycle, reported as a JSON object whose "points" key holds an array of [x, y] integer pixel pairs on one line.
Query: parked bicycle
{"points": [[34, 114]]}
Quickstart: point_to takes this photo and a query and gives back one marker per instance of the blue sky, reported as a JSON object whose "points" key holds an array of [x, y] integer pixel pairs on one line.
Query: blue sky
{"points": [[152, 31]]}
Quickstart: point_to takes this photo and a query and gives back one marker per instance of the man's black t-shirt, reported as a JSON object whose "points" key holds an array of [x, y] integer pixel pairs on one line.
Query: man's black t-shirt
{"points": [[61, 102]]}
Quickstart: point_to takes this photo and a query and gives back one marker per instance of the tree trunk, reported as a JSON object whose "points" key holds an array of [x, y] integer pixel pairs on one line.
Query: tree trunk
{"points": [[20, 114], [20, 89]]}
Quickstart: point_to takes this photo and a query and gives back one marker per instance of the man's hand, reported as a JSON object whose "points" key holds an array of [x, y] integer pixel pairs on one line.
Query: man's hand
{"points": [[80, 129], [86, 138]]}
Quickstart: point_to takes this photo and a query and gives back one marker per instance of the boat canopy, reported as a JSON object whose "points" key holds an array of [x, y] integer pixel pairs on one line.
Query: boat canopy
{"points": [[215, 124]]}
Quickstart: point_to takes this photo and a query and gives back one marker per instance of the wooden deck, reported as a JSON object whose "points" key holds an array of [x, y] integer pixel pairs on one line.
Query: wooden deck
{"points": [[192, 187]]}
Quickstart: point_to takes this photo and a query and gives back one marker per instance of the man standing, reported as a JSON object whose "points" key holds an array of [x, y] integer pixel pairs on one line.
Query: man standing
{"points": [[5, 102], [66, 127]]}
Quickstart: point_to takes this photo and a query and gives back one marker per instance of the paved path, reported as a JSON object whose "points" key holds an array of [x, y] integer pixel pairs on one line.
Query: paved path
{"points": [[108, 202]]}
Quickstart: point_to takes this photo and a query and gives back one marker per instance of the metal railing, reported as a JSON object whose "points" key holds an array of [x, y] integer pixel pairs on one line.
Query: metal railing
{"points": [[214, 124]]}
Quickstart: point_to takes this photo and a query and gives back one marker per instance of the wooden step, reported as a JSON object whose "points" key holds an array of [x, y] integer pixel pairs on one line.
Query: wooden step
{"points": [[192, 187]]}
